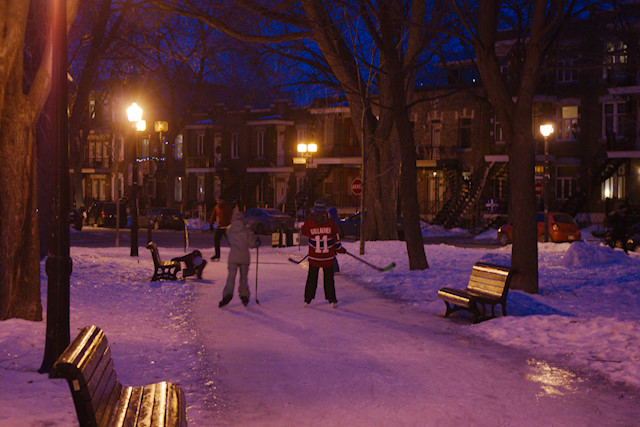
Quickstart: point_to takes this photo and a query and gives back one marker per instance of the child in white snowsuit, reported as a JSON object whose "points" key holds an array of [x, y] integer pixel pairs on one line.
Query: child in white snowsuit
{"points": [[241, 239]]}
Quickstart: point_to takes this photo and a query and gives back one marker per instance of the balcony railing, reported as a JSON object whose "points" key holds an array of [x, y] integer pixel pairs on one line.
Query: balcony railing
{"points": [[443, 152], [199, 162], [99, 163]]}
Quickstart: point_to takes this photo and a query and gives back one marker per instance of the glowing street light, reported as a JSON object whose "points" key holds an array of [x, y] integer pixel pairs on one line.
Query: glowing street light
{"points": [[306, 152], [134, 115], [546, 130]]}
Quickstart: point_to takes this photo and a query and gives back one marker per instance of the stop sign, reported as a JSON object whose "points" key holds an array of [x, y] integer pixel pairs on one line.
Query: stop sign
{"points": [[356, 186]]}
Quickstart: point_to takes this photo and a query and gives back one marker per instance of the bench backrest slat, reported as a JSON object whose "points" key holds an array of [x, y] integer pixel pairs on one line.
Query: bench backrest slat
{"points": [[154, 253], [107, 414], [490, 278], [102, 386], [87, 366]]}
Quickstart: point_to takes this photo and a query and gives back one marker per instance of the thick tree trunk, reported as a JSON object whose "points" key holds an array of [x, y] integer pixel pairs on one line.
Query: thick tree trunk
{"points": [[19, 240], [524, 255], [381, 184], [399, 78]]}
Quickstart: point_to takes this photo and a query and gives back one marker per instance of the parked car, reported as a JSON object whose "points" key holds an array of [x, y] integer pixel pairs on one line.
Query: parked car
{"points": [[103, 214], [164, 218], [562, 228], [350, 226], [265, 220]]}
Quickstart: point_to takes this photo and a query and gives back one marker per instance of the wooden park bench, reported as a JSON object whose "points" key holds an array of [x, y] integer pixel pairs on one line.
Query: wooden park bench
{"points": [[163, 270], [488, 286], [101, 400]]}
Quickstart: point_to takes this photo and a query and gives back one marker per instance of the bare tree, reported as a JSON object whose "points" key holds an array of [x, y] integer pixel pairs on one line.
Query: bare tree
{"points": [[20, 107], [337, 57], [533, 25]]}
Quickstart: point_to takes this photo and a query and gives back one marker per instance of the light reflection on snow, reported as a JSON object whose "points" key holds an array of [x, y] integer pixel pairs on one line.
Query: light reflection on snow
{"points": [[553, 381]]}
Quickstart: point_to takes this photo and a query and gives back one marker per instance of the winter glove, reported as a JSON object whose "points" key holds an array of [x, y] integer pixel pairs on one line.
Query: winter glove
{"points": [[210, 227], [341, 250]]}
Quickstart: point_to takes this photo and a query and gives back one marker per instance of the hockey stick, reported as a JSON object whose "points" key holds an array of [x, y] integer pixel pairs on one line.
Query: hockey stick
{"points": [[381, 269], [257, 252], [298, 262]]}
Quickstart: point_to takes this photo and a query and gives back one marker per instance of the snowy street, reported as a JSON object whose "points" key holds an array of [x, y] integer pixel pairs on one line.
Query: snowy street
{"points": [[568, 356]]}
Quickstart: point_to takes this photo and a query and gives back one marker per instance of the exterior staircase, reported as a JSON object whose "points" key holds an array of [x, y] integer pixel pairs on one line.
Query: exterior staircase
{"points": [[471, 196], [448, 209], [464, 196]]}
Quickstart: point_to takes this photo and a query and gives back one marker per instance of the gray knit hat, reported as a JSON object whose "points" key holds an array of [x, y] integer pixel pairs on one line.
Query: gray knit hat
{"points": [[319, 207]]}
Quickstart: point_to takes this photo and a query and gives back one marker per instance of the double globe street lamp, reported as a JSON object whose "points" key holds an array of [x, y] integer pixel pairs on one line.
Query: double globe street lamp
{"points": [[134, 115]]}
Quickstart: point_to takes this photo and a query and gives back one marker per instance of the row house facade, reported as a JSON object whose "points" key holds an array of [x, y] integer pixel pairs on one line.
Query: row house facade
{"points": [[589, 95], [250, 157], [112, 148]]}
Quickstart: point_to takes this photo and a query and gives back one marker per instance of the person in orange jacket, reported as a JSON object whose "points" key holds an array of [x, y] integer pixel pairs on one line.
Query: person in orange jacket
{"points": [[221, 216]]}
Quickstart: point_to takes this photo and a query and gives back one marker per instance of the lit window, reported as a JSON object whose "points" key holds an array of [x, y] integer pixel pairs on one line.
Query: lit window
{"points": [[569, 128], [614, 187], [177, 147], [615, 55]]}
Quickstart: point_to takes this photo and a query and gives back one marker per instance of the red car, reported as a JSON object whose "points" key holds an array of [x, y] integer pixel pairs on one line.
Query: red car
{"points": [[562, 228]]}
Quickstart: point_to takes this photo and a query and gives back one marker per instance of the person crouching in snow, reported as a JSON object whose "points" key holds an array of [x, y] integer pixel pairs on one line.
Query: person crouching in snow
{"points": [[241, 239], [324, 242]]}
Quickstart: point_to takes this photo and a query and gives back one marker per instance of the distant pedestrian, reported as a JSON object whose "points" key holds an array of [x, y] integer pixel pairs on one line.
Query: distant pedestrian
{"points": [[241, 239], [221, 216], [333, 216], [324, 242]]}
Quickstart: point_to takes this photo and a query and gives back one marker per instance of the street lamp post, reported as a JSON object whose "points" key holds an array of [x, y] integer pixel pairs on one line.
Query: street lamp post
{"points": [[306, 152], [134, 114], [546, 130], [58, 263]]}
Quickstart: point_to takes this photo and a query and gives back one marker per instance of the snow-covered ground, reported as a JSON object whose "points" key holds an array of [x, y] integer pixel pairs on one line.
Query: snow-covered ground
{"points": [[380, 358]]}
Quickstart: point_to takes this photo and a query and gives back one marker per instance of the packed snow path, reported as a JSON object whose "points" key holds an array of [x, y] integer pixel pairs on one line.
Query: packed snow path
{"points": [[372, 361]]}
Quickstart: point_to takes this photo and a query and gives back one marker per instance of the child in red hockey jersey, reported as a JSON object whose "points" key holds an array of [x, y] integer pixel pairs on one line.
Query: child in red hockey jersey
{"points": [[324, 242]]}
